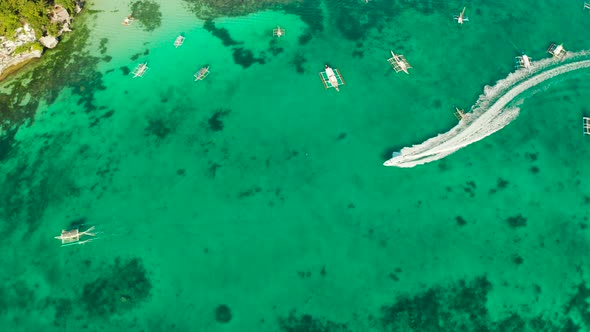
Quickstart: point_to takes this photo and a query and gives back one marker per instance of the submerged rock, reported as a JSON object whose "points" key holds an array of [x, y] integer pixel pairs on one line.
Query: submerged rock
{"points": [[223, 314]]}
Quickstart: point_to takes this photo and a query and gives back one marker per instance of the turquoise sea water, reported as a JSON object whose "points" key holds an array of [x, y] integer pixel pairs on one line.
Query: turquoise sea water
{"points": [[257, 191]]}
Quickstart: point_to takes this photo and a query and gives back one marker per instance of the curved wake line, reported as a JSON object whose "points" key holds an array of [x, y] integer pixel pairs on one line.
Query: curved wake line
{"points": [[489, 114]]}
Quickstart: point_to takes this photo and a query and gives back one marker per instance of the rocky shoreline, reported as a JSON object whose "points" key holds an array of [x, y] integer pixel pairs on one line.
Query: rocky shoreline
{"points": [[24, 47]]}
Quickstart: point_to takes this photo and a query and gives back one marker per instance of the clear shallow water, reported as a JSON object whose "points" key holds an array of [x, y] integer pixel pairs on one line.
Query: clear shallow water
{"points": [[281, 202]]}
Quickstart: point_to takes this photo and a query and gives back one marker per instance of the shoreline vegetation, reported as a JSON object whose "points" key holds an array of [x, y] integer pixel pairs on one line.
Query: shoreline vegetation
{"points": [[36, 13], [28, 27]]}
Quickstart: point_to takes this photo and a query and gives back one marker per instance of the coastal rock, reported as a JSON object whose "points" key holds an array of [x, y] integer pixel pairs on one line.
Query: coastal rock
{"points": [[23, 36], [18, 59], [48, 41], [60, 14], [79, 5], [65, 28]]}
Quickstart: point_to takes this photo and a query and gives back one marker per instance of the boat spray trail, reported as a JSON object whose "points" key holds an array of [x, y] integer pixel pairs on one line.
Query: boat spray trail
{"points": [[489, 114]]}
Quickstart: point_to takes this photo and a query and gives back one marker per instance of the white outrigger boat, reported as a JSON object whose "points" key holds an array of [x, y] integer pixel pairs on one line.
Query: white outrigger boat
{"points": [[524, 61], [179, 40], [278, 32], [461, 18], [73, 236], [202, 73], [399, 63], [557, 51], [331, 78], [140, 70]]}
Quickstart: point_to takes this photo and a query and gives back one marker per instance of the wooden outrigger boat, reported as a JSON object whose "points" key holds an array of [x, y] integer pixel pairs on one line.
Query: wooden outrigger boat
{"points": [[74, 236], [557, 51], [586, 125], [524, 61], [459, 113], [179, 40], [399, 63], [278, 32], [331, 78], [202, 73], [140, 70]]}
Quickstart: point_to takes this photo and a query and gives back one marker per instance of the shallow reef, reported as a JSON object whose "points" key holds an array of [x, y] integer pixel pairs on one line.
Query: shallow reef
{"points": [[220, 33], [223, 314], [246, 58], [27, 190], [147, 12], [67, 66], [211, 9], [242, 56], [159, 128], [308, 323], [461, 306], [123, 286], [215, 122]]}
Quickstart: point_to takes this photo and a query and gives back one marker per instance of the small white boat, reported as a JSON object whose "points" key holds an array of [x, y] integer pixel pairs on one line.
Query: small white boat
{"points": [[127, 20], [202, 73], [179, 40], [278, 32], [140, 70], [461, 18], [524, 61]]}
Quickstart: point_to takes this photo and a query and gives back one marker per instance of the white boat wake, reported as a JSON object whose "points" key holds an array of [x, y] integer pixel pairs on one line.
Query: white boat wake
{"points": [[490, 112]]}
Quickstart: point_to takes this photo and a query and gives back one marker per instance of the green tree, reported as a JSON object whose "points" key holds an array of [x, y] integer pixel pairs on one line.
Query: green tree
{"points": [[13, 13]]}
